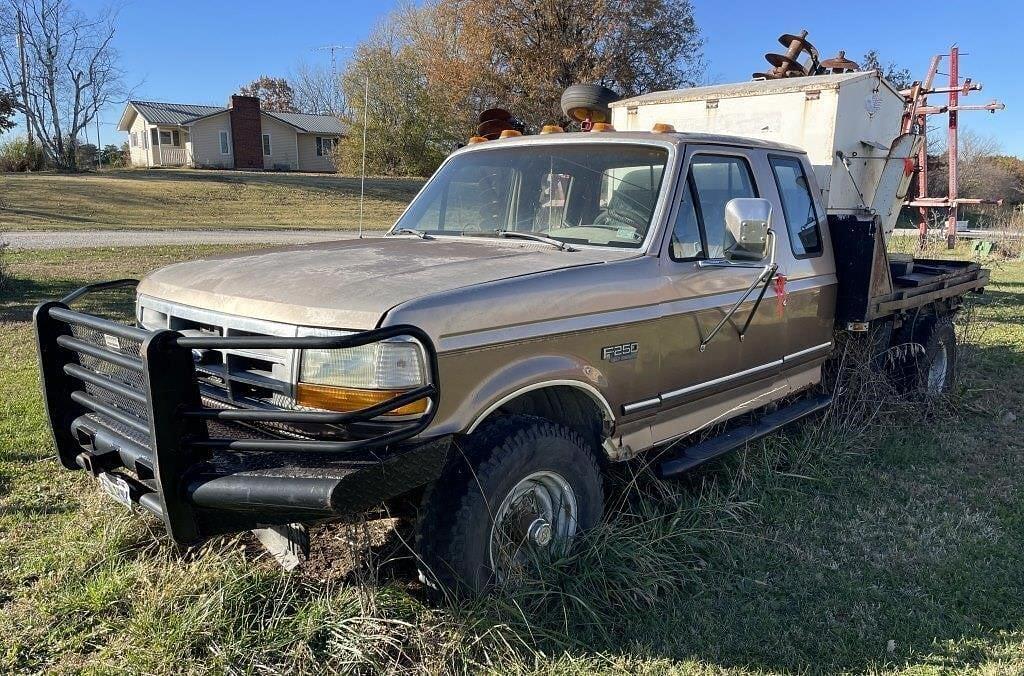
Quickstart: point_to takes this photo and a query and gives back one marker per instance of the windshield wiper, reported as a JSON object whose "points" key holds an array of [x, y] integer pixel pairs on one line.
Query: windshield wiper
{"points": [[411, 231], [536, 238]]}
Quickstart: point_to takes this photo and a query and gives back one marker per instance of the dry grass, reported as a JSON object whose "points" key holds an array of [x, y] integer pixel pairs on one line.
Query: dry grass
{"points": [[170, 199]]}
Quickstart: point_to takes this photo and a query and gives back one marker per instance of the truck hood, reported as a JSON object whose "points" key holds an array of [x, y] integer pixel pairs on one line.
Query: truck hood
{"points": [[351, 284]]}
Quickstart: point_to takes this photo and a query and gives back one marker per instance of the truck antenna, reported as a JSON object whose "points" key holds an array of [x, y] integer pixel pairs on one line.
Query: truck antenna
{"points": [[362, 176]]}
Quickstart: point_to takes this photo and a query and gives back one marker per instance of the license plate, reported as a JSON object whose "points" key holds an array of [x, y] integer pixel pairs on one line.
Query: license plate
{"points": [[117, 488]]}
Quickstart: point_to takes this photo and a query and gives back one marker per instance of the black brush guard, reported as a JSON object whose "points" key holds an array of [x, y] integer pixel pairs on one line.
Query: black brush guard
{"points": [[126, 402]]}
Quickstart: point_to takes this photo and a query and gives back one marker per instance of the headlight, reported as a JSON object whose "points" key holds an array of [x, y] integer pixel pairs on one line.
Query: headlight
{"points": [[353, 378]]}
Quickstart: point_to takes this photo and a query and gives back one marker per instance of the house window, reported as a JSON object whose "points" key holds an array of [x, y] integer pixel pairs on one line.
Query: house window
{"points": [[225, 147], [176, 138], [165, 138], [135, 139], [155, 136], [324, 145], [266, 145]]}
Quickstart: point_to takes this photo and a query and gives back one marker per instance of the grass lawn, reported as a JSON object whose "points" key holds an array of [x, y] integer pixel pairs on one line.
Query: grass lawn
{"points": [[183, 198], [892, 542]]}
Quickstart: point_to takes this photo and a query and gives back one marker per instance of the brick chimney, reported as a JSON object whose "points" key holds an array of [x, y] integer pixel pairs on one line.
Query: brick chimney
{"points": [[246, 132]]}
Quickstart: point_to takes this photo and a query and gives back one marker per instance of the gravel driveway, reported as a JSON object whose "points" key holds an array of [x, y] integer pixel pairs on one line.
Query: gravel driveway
{"points": [[81, 239]]}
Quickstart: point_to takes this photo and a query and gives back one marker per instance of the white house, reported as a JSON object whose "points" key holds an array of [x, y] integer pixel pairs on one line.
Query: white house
{"points": [[240, 136]]}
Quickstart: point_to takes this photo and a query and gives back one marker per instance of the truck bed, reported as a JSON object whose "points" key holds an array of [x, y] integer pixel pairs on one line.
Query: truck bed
{"points": [[874, 284], [917, 281]]}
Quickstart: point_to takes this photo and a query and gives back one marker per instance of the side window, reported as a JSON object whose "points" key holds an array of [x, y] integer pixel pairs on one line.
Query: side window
{"points": [[716, 180], [798, 204], [686, 242]]}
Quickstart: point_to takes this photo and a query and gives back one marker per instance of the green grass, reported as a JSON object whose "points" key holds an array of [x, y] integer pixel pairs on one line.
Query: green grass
{"points": [[163, 199], [890, 544]]}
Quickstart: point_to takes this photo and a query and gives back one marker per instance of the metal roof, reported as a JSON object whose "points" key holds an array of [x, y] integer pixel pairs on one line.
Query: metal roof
{"points": [[313, 124], [172, 113], [751, 88], [185, 113]]}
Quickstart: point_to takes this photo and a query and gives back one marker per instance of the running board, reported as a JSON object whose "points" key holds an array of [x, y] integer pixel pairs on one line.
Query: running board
{"points": [[692, 456]]}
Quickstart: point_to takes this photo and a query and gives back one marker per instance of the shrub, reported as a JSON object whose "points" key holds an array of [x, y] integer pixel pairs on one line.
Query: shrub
{"points": [[18, 155]]}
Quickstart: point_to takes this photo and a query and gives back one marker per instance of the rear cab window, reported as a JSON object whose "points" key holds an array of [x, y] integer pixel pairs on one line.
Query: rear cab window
{"points": [[798, 205]]}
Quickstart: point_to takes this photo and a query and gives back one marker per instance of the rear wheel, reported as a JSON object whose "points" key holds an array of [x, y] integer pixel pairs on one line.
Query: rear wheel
{"points": [[522, 488], [933, 368]]}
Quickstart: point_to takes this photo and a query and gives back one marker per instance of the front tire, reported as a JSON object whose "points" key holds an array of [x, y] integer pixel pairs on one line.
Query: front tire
{"points": [[519, 486]]}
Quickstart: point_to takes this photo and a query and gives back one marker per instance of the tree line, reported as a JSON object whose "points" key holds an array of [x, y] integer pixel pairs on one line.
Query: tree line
{"points": [[427, 70]]}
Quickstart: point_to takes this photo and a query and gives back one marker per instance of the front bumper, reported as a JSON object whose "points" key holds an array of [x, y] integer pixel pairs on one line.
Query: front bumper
{"points": [[124, 403]]}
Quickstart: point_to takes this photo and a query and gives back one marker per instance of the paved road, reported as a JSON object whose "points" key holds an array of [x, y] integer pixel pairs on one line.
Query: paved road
{"points": [[81, 239]]}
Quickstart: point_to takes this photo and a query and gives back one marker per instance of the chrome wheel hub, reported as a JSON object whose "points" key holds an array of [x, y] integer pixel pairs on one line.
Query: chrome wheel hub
{"points": [[537, 516], [540, 533]]}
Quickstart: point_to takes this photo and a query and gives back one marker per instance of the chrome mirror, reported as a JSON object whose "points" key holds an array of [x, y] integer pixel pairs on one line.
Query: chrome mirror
{"points": [[747, 231]]}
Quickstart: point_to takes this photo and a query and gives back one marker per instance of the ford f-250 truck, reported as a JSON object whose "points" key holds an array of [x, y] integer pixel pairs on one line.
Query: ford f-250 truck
{"points": [[546, 306]]}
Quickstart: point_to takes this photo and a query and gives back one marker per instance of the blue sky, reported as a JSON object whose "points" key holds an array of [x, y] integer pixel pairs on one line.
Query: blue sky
{"points": [[202, 51]]}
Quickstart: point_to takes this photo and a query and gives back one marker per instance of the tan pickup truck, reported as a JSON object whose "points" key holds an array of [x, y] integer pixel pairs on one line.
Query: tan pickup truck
{"points": [[546, 306]]}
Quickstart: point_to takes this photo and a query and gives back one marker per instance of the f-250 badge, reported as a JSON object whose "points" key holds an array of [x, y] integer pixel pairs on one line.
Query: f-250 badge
{"points": [[623, 352]]}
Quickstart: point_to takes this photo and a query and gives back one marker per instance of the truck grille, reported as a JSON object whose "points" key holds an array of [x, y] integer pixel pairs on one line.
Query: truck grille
{"points": [[244, 378]]}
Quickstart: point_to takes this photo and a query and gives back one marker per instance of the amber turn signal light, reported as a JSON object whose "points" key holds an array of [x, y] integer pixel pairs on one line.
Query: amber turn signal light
{"points": [[602, 126], [346, 399]]}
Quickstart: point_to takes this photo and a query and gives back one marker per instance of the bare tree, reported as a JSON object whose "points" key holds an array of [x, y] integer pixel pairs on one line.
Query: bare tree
{"points": [[274, 93], [72, 69], [317, 90]]}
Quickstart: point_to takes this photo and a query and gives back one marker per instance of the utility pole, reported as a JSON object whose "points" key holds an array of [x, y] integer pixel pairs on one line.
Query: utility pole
{"points": [[24, 77], [952, 144], [99, 147]]}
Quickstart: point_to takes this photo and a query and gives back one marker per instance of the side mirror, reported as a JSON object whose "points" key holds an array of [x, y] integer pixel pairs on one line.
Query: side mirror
{"points": [[746, 227]]}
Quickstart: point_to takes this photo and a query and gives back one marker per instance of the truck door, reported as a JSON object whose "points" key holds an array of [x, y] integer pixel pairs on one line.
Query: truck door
{"points": [[702, 294], [810, 274]]}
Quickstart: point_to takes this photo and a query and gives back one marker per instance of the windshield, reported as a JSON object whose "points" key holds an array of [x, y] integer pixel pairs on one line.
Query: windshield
{"points": [[581, 193]]}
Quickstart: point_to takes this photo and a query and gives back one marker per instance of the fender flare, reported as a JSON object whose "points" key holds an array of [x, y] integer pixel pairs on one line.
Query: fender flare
{"points": [[591, 391]]}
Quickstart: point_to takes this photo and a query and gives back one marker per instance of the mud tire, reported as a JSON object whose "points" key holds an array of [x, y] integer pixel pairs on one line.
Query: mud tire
{"points": [[454, 528]]}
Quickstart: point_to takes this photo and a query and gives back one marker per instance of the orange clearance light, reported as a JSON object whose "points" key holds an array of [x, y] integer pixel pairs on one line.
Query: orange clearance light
{"points": [[345, 399], [477, 139], [602, 126], [662, 128], [510, 133], [551, 129]]}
